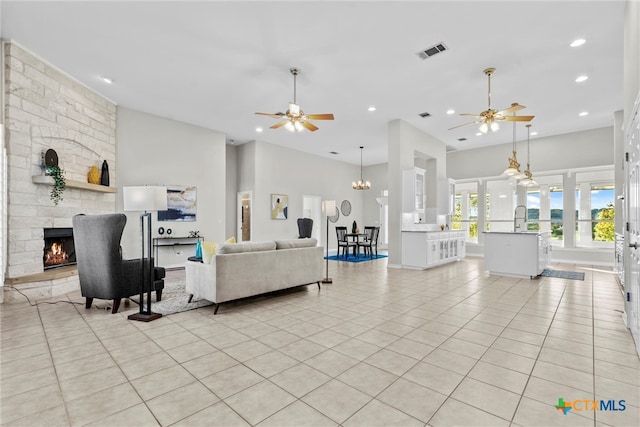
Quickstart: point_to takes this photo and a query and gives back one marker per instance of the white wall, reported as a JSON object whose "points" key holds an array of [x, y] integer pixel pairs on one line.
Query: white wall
{"points": [[270, 169], [378, 176], [157, 151], [631, 66], [404, 141], [232, 192], [556, 153]]}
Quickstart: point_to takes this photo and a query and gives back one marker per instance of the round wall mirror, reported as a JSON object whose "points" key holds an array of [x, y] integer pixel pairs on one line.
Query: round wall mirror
{"points": [[345, 207], [334, 218]]}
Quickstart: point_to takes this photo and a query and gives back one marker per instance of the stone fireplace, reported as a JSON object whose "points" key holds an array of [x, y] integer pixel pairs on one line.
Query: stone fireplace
{"points": [[45, 108]]}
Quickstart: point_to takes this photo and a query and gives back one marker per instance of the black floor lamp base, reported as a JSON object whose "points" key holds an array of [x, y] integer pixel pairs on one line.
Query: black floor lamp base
{"points": [[144, 317], [327, 280]]}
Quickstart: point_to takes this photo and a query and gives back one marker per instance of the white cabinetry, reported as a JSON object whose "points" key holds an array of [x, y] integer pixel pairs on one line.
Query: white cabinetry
{"points": [[424, 249], [413, 196], [517, 254]]}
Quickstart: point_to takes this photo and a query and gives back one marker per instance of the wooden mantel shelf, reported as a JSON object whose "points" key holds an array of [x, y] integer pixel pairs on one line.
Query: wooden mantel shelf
{"points": [[53, 274], [47, 180]]}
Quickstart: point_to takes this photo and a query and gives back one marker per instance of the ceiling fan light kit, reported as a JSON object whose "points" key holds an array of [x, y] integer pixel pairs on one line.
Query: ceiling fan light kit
{"points": [[489, 118], [295, 120], [361, 184]]}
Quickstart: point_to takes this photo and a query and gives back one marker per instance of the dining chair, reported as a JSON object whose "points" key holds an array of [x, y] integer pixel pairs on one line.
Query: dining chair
{"points": [[343, 241], [371, 241]]}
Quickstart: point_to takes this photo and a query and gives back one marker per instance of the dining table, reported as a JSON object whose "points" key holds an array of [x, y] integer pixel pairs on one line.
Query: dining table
{"points": [[356, 238]]}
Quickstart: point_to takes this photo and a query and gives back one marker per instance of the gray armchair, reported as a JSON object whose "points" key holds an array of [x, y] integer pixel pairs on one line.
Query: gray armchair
{"points": [[102, 271]]}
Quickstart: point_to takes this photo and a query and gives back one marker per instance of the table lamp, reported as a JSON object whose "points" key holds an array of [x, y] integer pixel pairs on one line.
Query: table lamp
{"points": [[146, 199]]}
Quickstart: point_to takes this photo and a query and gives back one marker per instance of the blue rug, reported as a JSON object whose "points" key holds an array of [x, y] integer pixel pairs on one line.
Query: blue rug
{"points": [[572, 275], [351, 258]]}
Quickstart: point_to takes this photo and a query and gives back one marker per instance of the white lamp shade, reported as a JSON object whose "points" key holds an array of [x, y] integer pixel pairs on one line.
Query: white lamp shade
{"points": [[144, 198], [329, 207]]}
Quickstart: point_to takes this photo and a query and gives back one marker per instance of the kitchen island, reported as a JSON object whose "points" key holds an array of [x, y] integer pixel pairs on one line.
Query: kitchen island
{"points": [[518, 254], [423, 249]]}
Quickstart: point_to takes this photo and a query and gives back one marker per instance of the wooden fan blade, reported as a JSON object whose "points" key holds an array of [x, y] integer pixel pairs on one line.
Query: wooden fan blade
{"points": [[277, 115], [320, 116], [277, 125], [516, 118], [472, 115], [466, 124], [309, 126], [514, 107]]}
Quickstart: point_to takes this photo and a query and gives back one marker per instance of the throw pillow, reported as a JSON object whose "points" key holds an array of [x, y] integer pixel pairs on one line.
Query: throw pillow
{"points": [[208, 251], [231, 240]]}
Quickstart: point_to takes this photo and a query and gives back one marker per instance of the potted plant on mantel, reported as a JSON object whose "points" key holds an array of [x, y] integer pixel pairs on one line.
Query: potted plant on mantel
{"points": [[52, 169], [59, 183]]}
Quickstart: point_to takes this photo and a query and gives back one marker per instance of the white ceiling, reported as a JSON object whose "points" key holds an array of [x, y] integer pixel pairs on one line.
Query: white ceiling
{"points": [[214, 64]]}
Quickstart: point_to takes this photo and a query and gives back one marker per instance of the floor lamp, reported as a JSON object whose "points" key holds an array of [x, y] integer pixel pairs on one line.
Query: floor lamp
{"points": [[329, 208], [146, 199]]}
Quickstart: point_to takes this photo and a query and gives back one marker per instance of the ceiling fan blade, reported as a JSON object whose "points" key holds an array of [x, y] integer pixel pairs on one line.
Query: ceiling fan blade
{"points": [[514, 107], [320, 116], [277, 125], [516, 118], [466, 124], [309, 126], [277, 115], [472, 115]]}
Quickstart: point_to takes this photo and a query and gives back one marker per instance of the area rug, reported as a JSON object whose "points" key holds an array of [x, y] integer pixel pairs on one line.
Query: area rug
{"points": [[351, 258], [572, 275], [175, 299]]}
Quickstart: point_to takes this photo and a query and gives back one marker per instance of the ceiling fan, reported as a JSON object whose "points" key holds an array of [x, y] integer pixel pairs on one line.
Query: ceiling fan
{"points": [[489, 118], [295, 119]]}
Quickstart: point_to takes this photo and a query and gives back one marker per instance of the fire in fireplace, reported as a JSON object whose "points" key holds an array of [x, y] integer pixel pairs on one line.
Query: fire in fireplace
{"points": [[59, 249]]}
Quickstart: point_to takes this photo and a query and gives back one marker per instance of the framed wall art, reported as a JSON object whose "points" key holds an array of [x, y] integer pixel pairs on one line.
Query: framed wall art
{"points": [[181, 204], [279, 206]]}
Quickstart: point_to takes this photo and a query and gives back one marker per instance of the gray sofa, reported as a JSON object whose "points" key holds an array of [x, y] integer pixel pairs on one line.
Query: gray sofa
{"points": [[241, 270]]}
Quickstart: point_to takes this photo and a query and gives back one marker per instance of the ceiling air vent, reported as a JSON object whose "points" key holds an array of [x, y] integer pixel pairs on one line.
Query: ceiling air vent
{"points": [[462, 139], [433, 50], [333, 152], [425, 115]]}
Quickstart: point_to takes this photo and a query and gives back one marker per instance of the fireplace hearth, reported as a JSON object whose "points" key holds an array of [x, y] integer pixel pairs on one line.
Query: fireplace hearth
{"points": [[59, 250]]}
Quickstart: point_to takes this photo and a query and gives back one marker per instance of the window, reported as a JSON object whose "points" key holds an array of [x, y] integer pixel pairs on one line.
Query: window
{"points": [[595, 211], [545, 208], [465, 213]]}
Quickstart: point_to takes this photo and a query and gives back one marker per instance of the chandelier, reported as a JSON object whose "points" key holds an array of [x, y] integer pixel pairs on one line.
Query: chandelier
{"points": [[361, 184]]}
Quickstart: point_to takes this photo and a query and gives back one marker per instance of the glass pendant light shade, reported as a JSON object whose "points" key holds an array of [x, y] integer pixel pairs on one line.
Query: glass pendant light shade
{"points": [[529, 181], [483, 128], [494, 126]]}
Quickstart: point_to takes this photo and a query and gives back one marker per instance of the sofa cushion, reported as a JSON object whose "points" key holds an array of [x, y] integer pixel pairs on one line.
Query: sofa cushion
{"points": [[208, 251], [237, 248], [296, 243]]}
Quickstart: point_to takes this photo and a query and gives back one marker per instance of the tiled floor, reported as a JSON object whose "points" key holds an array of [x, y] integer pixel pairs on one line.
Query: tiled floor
{"points": [[447, 346]]}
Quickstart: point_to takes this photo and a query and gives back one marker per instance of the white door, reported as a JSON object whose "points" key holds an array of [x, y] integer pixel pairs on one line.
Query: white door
{"points": [[244, 216], [632, 228]]}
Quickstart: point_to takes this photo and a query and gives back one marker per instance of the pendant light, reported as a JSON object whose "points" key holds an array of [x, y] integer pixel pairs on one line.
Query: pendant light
{"points": [[361, 184], [513, 171], [528, 182]]}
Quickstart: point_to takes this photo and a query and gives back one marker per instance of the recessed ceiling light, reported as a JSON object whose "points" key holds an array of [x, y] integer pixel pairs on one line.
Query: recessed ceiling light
{"points": [[107, 80], [479, 134], [451, 111], [534, 133], [580, 79], [584, 113], [577, 42], [372, 108], [258, 129]]}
